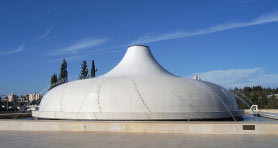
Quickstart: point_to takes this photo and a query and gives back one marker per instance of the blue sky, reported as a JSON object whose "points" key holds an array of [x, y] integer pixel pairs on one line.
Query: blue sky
{"points": [[228, 42]]}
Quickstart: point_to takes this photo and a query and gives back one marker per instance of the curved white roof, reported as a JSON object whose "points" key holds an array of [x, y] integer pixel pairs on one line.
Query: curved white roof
{"points": [[138, 88]]}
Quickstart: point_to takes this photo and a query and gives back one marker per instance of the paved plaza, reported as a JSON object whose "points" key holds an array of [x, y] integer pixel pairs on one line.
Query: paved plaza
{"points": [[9, 139]]}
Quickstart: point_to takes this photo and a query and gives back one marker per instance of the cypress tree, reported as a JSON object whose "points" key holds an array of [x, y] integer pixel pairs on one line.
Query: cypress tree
{"points": [[93, 69], [84, 71], [63, 76], [53, 81]]}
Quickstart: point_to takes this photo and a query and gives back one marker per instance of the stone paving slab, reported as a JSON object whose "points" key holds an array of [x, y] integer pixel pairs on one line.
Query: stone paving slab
{"points": [[20, 139]]}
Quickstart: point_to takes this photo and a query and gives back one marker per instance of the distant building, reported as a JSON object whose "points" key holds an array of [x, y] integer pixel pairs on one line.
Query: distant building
{"points": [[34, 97], [12, 97], [22, 99]]}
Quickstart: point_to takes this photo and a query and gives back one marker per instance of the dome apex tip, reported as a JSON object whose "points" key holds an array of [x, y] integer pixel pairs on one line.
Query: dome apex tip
{"points": [[139, 45]]}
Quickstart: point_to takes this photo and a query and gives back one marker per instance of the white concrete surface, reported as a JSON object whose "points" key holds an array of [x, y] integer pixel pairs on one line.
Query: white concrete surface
{"points": [[138, 88], [132, 140], [178, 127]]}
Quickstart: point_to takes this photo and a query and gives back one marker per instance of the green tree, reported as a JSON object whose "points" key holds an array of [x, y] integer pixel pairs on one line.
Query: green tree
{"points": [[93, 69], [84, 71], [53, 81], [263, 97], [63, 76]]}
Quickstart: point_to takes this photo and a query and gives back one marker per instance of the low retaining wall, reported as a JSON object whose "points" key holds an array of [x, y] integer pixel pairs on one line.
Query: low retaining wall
{"points": [[180, 127], [262, 110], [272, 114], [269, 110], [19, 115]]}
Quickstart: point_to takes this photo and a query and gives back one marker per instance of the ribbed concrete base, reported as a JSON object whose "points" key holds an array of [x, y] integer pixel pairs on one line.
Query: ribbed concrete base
{"points": [[143, 127], [138, 115]]}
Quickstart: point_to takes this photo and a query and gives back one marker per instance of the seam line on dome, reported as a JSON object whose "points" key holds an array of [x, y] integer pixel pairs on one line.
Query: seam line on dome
{"points": [[62, 99], [140, 96], [198, 111], [147, 116], [84, 100], [98, 96], [95, 115]]}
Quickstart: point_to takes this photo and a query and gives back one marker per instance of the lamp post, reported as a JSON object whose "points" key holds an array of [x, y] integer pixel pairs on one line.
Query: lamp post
{"points": [[7, 106]]}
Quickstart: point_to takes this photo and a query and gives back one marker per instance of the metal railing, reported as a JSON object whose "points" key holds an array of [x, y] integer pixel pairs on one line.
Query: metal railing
{"points": [[22, 108]]}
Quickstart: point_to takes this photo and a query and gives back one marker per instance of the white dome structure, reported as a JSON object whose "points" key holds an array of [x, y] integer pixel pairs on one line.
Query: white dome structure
{"points": [[138, 88]]}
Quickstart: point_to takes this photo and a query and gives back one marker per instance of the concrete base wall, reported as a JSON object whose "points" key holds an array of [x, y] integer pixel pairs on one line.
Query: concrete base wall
{"points": [[137, 115], [180, 127]]}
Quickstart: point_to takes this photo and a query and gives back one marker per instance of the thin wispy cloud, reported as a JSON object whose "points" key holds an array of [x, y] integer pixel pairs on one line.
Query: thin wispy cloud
{"points": [[19, 49], [232, 78], [248, 1], [78, 47], [264, 19], [85, 44], [68, 58], [107, 50], [81, 57], [49, 12], [45, 34]]}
